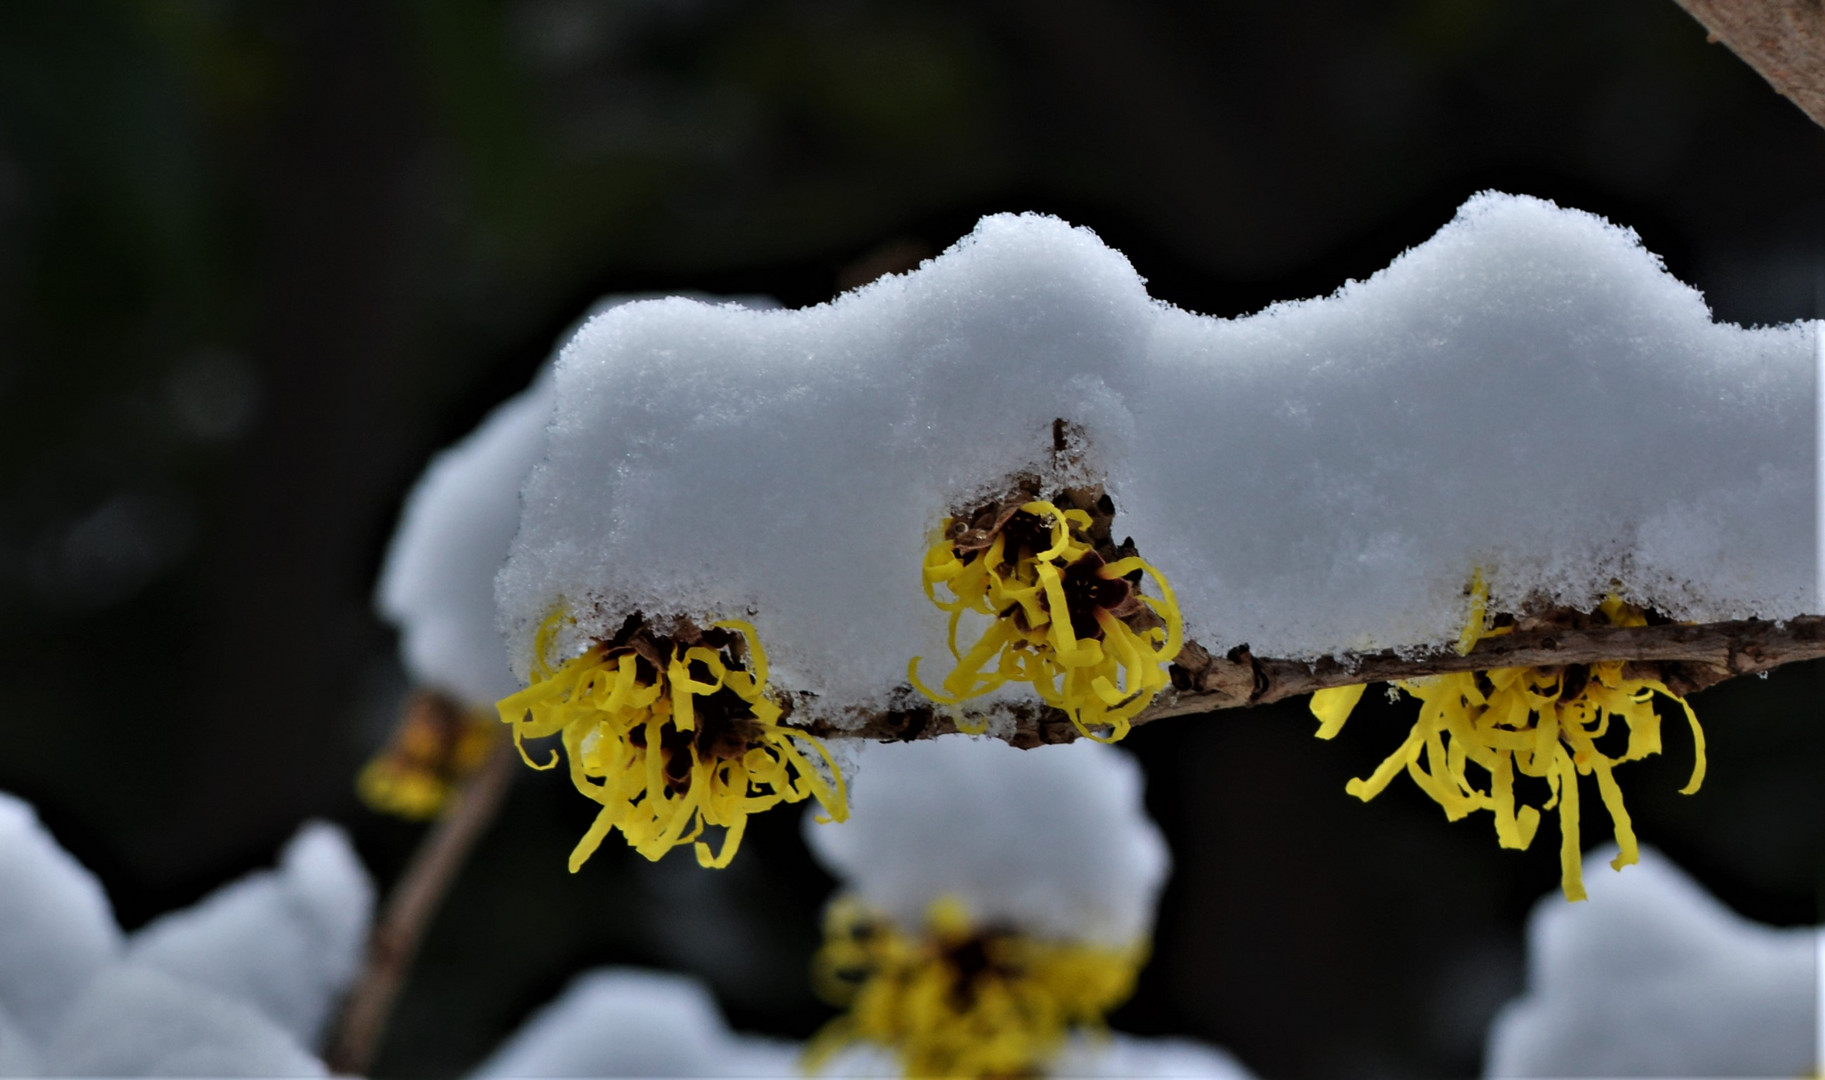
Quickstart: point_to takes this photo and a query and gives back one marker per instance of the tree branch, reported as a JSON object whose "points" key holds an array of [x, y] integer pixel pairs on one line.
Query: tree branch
{"points": [[1783, 40], [410, 908], [1687, 657]]}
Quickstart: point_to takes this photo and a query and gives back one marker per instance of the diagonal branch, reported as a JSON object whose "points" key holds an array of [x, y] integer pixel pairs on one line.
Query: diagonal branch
{"points": [[1783, 40], [1687, 657]]}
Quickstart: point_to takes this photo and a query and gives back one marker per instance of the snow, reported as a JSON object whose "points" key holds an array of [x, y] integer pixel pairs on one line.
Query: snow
{"points": [[138, 1021], [622, 1022], [238, 985], [284, 941], [1528, 393], [1121, 1055], [437, 584], [1053, 840], [1654, 977], [57, 929]]}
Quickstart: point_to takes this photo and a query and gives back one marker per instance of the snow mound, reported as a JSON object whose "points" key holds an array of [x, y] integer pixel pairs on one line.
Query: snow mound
{"points": [[1654, 977], [618, 1022], [1053, 840], [1528, 393]]}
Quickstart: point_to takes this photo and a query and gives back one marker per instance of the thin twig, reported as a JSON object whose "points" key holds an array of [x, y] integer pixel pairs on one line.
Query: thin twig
{"points": [[1783, 40], [1687, 657], [410, 909]]}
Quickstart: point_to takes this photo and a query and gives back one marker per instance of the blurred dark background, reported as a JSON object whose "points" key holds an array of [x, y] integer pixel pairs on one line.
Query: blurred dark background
{"points": [[258, 260]]}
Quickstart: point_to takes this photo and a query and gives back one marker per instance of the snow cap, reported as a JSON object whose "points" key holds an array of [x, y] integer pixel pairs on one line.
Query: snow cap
{"points": [[1054, 840], [1654, 977], [1528, 393], [57, 929], [437, 585], [620, 1022], [285, 941]]}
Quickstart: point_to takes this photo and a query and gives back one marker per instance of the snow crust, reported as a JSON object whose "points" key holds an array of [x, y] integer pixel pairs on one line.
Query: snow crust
{"points": [[1528, 393], [1054, 840], [238, 985], [1654, 977], [622, 1022]]}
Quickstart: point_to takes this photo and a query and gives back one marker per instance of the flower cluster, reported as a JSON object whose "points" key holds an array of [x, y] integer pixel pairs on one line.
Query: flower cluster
{"points": [[671, 735], [436, 748], [1068, 614], [1549, 723], [961, 999]]}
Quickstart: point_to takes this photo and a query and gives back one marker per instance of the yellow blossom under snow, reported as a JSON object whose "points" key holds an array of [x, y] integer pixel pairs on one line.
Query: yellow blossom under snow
{"points": [[670, 736], [1523, 722], [960, 999], [1070, 623], [436, 748]]}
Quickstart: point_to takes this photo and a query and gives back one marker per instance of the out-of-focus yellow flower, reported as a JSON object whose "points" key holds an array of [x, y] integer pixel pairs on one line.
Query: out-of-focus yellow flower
{"points": [[1067, 619], [436, 748], [1536, 722], [670, 735], [960, 999]]}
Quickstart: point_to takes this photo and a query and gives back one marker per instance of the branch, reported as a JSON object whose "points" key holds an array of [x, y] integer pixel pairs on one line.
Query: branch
{"points": [[1783, 40], [410, 909], [1687, 657]]}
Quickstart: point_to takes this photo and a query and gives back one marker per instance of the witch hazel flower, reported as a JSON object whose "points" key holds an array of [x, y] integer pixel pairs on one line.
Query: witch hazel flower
{"points": [[1550, 724], [1654, 977], [240, 984], [996, 905], [1064, 609]]}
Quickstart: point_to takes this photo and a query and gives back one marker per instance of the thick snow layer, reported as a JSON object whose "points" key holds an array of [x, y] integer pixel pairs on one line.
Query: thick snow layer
{"points": [[285, 941], [618, 1022], [238, 985], [1528, 393], [56, 926], [1654, 977], [1053, 840], [437, 585]]}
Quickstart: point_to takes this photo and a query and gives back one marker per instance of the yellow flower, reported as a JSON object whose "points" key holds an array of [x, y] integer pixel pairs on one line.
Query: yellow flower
{"points": [[670, 735], [960, 999], [1067, 619], [1536, 722], [436, 748]]}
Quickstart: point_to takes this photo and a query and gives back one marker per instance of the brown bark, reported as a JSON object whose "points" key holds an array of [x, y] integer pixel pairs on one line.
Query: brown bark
{"points": [[1687, 657], [1783, 40]]}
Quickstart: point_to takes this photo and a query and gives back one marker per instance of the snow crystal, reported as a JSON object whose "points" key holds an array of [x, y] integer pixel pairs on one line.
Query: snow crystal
{"points": [[1528, 393], [286, 941], [437, 585], [56, 926], [1654, 977], [1053, 840], [617, 1022]]}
